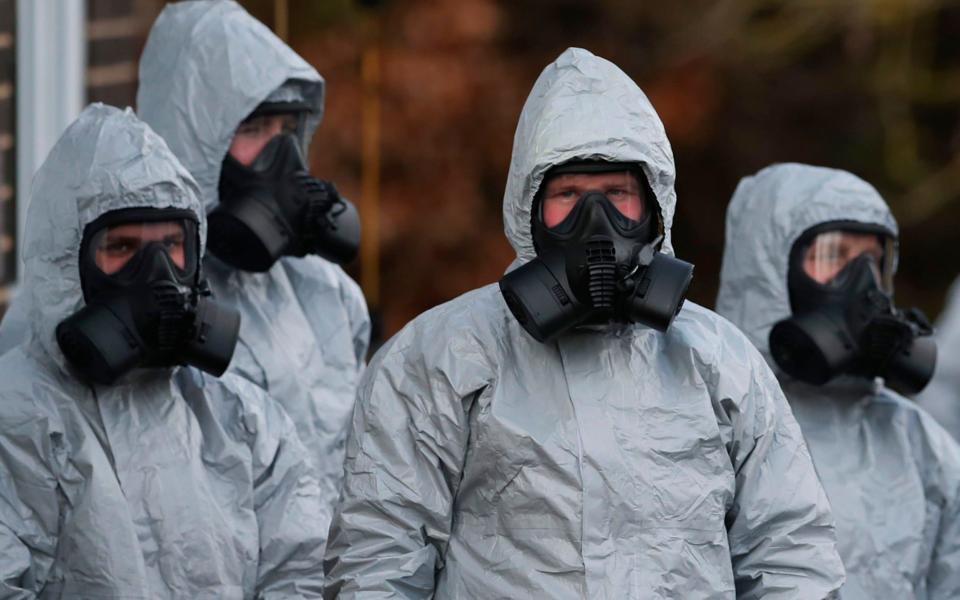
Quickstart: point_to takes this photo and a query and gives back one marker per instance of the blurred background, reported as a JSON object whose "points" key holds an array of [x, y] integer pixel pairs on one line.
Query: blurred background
{"points": [[424, 95]]}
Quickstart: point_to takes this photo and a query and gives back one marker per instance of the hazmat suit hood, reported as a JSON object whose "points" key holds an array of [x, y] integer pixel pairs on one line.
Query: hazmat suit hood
{"points": [[611, 463], [168, 483], [768, 213], [618, 125], [106, 160], [891, 473], [198, 50], [304, 328]]}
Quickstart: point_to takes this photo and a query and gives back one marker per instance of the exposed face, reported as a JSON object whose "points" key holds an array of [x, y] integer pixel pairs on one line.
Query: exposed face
{"points": [[561, 193], [253, 134], [831, 251], [118, 244]]}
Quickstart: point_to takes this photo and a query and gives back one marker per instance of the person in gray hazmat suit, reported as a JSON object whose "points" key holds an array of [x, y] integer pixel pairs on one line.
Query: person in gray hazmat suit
{"points": [[121, 474], [807, 275], [239, 108], [942, 396], [612, 460]]}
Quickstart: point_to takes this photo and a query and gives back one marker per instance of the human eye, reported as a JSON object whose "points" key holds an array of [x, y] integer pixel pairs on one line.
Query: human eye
{"points": [[822, 254], [253, 127], [567, 193], [832, 255], [173, 241], [825, 250], [289, 124], [120, 247]]}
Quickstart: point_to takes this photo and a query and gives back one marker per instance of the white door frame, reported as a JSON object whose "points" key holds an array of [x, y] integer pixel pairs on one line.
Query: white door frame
{"points": [[51, 53]]}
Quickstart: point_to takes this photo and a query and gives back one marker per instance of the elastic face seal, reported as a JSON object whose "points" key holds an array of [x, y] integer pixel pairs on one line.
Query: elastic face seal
{"points": [[114, 245], [279, 108], [257, 130]]}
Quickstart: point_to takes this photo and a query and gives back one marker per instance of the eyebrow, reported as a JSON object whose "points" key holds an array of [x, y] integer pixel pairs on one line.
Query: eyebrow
{"points": [[120, 238], [254, 119], [115, 238]]}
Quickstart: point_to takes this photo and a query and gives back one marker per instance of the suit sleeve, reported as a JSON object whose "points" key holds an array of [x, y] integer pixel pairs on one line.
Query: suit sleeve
{"points": [[359, 317], [29, 503], [291, 518], [780, 527], [943, 465], [405, 457]]}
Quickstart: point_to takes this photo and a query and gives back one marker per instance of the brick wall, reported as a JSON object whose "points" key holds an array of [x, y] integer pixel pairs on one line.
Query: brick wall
{"points": [[8, 213], [116, 33]]}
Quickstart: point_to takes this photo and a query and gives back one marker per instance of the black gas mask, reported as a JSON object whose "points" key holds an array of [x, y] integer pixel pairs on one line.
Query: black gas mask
{"points": [[849, 325], [596, 266], [153, 311], [275, 208]]}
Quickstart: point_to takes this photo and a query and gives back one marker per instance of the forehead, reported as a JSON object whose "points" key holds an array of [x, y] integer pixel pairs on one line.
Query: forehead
{"points": [[140, 229], [592, 179]]}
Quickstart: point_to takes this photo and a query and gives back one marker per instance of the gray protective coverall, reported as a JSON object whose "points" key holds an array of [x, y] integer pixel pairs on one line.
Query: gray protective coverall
{"points": [[619, 463], [13, 327], [891, 473], [168, 484], [942, 396], [305, 328]]}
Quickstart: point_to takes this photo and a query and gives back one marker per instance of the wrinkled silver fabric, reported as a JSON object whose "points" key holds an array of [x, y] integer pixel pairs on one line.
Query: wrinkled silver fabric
{"points": [[169, 484], [305, 327], [620, 463], [13, 327], [891, 473], [941, 397]]}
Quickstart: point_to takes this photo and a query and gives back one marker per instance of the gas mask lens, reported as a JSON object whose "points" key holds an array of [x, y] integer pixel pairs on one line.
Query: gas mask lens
{"points": [[562, 192], [114, 246], [264, 127], [827, 255], [269, 121]]}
